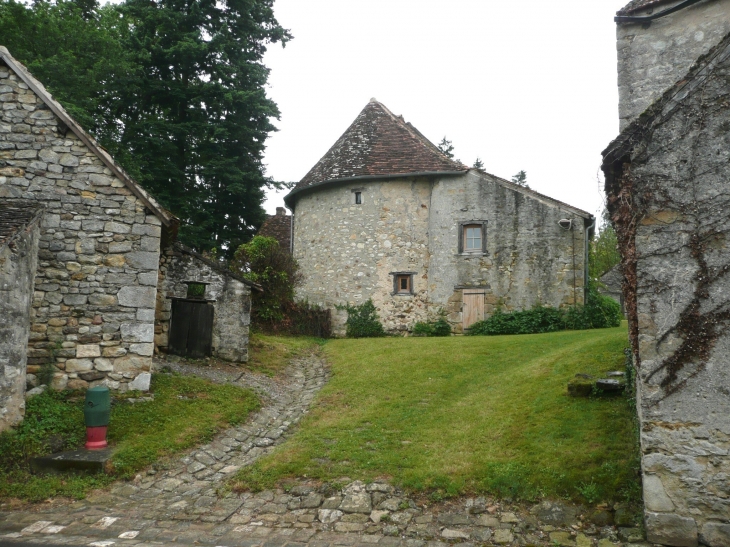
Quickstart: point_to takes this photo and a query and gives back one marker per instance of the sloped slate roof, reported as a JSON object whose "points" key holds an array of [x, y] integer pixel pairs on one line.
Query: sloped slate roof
{"points": [[167, 218], [638, 5], [16, 215], [379, 143]]}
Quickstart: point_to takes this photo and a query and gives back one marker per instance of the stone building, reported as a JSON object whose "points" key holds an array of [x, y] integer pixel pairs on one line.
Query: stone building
{"points": [[278, 226], [666, 182], [94, 304], [19, 231], [385, 215]]}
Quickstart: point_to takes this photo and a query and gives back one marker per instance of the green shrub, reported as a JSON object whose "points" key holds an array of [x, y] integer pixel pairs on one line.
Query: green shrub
{"points": [[362, 321], [538, 319], [599, 312], [440, 327]]}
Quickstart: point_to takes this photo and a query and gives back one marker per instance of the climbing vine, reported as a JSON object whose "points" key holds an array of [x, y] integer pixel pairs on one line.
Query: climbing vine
{"points": [[689, 213]]}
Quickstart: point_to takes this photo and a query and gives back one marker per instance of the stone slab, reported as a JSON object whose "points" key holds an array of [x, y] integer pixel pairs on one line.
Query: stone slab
{"points": [[78, 461]]}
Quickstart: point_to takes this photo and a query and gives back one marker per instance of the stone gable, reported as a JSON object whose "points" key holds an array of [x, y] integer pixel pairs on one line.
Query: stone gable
{"points": [[92, 316]]}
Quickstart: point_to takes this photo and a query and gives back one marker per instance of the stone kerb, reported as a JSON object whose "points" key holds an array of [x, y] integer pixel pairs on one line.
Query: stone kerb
{"points": [[95, 286]]}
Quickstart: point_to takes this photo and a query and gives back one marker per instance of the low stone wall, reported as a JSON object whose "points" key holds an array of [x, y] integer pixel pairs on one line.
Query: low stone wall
{"points": [[232, 301], [18, 261]]}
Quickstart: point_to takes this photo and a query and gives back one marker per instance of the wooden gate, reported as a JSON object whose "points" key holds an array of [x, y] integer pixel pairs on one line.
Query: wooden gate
{"points": [[473, 307], [191, 328]]}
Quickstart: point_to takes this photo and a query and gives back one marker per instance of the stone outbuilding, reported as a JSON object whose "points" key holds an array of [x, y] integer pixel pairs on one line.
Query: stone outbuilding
{"points": [[666, 183], [19, 232], [93, 314], [385, 215]]}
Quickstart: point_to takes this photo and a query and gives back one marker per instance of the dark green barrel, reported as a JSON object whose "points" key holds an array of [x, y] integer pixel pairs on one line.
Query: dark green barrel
{"points": [[97, 406]]}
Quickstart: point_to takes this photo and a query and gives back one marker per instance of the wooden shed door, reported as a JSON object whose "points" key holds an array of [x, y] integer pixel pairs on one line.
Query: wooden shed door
{"points": [[191, 328], [473, 308]]}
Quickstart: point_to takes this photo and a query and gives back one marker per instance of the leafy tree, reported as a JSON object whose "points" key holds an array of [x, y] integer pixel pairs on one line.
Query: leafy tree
{"points": [[446, 148], [263, 261], [604, 254], [521, 179], [478, 163]]}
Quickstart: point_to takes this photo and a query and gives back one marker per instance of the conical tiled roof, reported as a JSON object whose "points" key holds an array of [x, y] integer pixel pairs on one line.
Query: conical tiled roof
{"points": [[379, 143]]}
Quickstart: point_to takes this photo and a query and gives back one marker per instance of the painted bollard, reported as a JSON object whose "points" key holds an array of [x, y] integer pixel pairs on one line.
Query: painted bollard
{"points": [[97, 407]]}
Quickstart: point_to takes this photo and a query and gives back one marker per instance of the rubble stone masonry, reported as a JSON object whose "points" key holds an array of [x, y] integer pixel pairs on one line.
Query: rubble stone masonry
{"points": [[95, 288]]}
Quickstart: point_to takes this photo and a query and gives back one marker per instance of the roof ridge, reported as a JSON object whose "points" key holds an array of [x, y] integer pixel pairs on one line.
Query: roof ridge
{"points": [[39, 89]]}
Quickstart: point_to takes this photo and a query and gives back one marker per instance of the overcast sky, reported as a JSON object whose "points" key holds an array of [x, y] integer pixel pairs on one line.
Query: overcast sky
{"points": [[522, 84]]}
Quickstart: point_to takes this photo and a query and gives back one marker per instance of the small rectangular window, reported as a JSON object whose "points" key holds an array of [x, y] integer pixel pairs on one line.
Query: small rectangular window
{"points": [[402, 282], [472, 237], [358, 198]]}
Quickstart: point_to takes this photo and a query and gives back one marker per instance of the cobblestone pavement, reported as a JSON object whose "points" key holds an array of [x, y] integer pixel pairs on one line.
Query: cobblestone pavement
{"points": [[180, 505]]}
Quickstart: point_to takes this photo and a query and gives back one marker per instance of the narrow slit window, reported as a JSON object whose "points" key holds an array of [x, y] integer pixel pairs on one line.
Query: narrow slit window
{"points": [[358, 198], [473, 237]]}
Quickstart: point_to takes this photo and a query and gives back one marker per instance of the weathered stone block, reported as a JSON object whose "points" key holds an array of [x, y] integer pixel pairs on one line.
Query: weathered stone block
{"points": [[88, 350], [114, 261], [716, 534], [131, 363], [75, 299], [141, 382], [102, 299], [79, 365], [114, 351], [68, 160], [102, 364], [143, 260], [655, 497], [137, 297], [138, 332], [670, 529], [117, 227], [142, 349], [146, 230]]}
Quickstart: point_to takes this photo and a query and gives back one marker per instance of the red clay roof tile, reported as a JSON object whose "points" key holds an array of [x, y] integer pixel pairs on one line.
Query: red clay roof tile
{"points": [[379, 143]]}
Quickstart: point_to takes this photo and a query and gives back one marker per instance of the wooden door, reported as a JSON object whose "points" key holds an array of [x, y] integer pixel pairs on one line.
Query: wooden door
{"points": [[191, 328], [473, 307]]}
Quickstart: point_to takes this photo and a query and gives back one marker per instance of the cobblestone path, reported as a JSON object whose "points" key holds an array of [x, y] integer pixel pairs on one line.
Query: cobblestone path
{"points": [[180, 505]]}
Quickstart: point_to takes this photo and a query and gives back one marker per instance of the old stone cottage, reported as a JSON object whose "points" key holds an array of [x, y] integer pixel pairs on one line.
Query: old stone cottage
{"points": [[666, 182], [98, 263], [385, 215]]}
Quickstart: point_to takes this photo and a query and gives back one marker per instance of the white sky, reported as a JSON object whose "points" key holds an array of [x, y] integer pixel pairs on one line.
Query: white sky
{"points": [[523, 84]]}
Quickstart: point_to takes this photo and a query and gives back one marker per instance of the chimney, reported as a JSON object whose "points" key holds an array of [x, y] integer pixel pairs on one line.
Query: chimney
{"points": [[280, 212]]}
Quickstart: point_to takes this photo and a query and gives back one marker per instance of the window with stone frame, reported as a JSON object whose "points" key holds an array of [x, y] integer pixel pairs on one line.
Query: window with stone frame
{"points": [[357, 195], [403, 282], [473, 237]]}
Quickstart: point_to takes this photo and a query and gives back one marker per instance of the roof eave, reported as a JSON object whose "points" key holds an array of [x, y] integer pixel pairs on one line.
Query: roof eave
{"points": [[288, 199]]}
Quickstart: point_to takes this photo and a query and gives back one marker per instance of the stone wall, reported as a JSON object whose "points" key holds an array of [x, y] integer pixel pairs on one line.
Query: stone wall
{"points": [[95, 288], [674, 181], [347, 252], [652, 59], [529, 258], [18, 261], [350, 252], [232, 301]]}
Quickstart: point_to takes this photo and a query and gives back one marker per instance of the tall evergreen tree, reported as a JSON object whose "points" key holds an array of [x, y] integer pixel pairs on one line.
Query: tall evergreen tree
{"points": [[197, 117], [521, 179], [446, 147]]}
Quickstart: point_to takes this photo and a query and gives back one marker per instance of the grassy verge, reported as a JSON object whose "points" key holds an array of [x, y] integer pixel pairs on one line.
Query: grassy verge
{"points": [[186, 411], [467, 415], [270, 354]]}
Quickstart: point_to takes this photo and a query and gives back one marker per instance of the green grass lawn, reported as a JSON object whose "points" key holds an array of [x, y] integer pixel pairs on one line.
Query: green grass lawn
{"points": [[461, 415], [186, 411]]}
